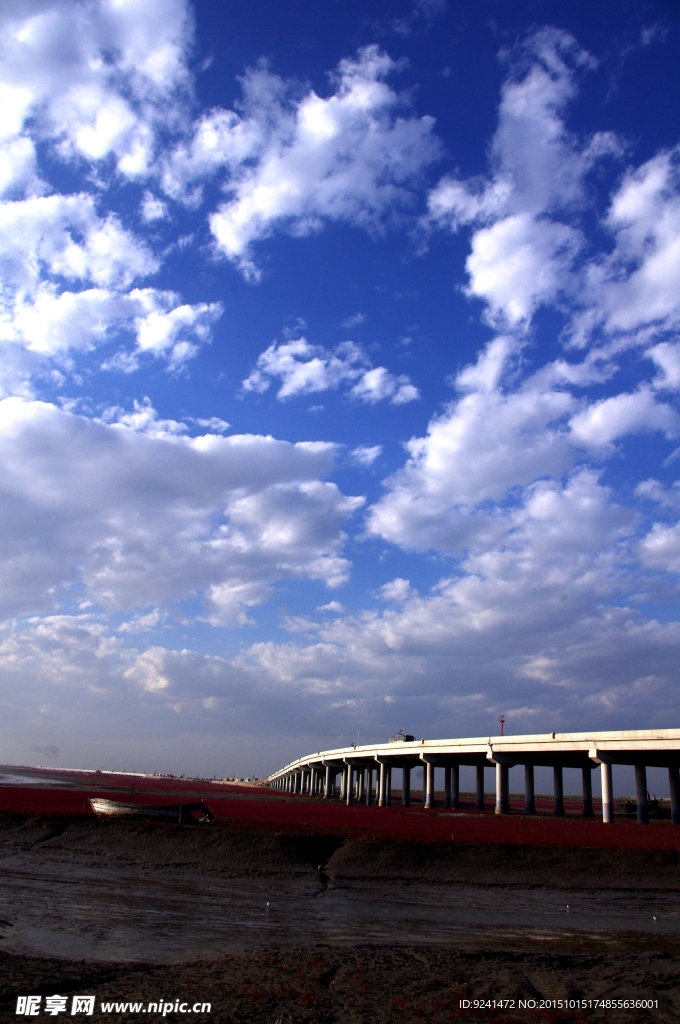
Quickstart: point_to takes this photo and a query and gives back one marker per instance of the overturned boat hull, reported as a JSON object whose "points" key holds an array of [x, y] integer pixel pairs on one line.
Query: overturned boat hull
{"points": [[178, 814]]}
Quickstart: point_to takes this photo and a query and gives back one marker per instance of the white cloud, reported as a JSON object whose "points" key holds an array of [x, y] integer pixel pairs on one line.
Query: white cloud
{"points": [[660, 549], [522, 255], [305, 369], [354, 321], [366, 454], [153, 208], [527, 245], [134, 513], [518, 263], [57, 323], [666, 355], [486, 443], [611, 418], [94, 79], [397, 590], [18, 168], [167, 328], [635, 286], [63, 236], [294, 163]]}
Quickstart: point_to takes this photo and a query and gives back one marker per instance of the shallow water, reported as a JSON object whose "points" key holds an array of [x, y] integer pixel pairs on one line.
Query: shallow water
{"points": [[100, 914]]}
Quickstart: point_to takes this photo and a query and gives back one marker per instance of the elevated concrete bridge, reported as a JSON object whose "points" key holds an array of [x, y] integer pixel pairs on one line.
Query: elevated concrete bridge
{"points": [[318, 774]]}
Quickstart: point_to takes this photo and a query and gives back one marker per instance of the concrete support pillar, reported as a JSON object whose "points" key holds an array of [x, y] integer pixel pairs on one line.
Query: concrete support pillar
{"points": [[529, 797], [455, 785], [369, 786], [641, 794], [674, 784], [360, 785], [424, 785], [343, 779], [298, 782], [349, 780], [480, 788], [382, 784], [558, 792], [429, 784], [502, 789], [388, 785], [587, 775], [327, 783], [447, 785], [406, 786], [607, 794]]}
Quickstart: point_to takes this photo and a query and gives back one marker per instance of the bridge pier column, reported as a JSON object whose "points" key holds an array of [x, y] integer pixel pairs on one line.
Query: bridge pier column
{"points": [[607, 794], [455, 786], [587, 776], [502, 789], [429, 784], [327, 783], [529, 795], [381, 783], [406, 786], [447, 785], [641, 794], [558, 792], [369, 786], [388, 785], [480, 788], [349, 780], [674, 783]]}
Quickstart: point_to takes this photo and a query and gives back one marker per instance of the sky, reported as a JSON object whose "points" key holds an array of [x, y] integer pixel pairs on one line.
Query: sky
{"points": [[340, 375]]}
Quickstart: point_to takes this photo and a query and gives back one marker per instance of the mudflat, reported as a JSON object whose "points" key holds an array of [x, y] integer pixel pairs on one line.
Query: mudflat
{"points": [[272, 926]]}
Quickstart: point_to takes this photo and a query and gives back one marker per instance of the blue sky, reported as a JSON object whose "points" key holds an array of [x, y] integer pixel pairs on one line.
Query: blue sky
{"points": [[339, 379]]}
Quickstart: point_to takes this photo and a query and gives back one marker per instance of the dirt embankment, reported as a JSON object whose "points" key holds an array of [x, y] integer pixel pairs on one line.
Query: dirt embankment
{"points": [[229, 852]]}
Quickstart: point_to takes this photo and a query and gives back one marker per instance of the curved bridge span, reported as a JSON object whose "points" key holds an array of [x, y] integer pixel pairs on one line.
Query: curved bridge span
{"points": [[348, 772]]}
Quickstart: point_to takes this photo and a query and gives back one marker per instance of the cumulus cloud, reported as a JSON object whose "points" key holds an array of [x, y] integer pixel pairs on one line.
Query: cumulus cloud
{"points": [[94, 80], [221, 516], [611, 418], [93, 83], [486, 443], [48, 240], [634, 287], [528, 244], [293, 162], [524, 246], [305, 369]]}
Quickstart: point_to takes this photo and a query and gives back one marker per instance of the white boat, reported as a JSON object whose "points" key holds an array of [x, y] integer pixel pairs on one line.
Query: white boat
{"points": [[179, 814]]}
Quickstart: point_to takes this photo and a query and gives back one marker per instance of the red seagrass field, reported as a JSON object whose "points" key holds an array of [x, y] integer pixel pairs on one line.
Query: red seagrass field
{"points": [[48, 793]]}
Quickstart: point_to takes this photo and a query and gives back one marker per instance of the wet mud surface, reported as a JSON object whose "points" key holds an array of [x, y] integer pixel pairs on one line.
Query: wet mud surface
{"points": [[278, 927]]}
